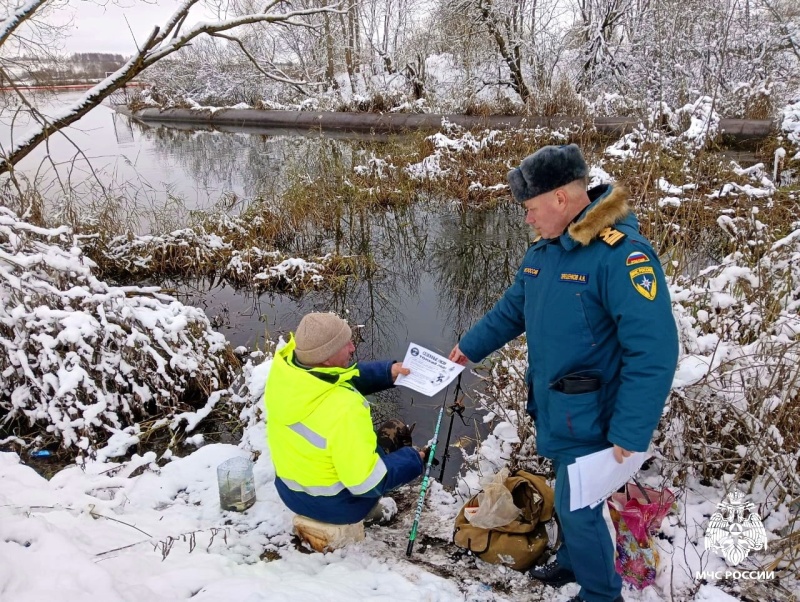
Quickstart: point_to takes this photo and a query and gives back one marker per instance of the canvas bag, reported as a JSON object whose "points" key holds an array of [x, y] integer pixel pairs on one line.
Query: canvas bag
{"points": [[522, 541]]}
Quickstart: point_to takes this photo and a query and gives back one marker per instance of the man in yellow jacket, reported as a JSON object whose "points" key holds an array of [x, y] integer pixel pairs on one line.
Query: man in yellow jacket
{"points": [[328, 464]]}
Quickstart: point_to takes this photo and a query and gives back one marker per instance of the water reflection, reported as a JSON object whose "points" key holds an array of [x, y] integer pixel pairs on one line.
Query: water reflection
{"points": [[157, 176], [434, 270], [243, 166], [477, 255]]}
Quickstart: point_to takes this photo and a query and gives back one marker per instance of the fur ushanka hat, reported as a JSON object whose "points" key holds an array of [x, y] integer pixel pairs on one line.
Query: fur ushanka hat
{"points": [[547, 169]]}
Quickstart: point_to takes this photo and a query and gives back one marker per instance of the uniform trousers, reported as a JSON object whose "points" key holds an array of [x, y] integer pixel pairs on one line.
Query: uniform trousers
{"points": [[586, 548]]}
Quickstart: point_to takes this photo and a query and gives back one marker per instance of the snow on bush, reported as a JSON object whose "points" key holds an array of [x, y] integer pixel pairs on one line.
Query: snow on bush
{"points": [[449, 147], [790, 123], [194, 251], [703, 122], [688, 129], [732, 421], [82, 360]]}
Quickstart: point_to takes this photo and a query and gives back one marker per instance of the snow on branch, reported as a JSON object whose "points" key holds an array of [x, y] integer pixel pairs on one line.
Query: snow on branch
{"points": [[161, 43], [10, 24], [81, 359], [194, 252]]}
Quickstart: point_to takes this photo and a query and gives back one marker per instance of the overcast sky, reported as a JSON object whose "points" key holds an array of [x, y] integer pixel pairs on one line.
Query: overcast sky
{"points": [[113, 27]]}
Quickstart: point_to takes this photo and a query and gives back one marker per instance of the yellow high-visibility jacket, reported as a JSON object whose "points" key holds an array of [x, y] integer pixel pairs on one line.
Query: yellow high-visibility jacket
{"points": [[323, 446]]}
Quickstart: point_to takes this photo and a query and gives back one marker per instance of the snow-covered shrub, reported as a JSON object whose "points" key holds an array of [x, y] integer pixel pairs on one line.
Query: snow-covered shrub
{"points": [[221, 246], [740, 375], [685, 131], [790, 123], [81, 359], [472, 167], [750, 101], [614, 104]]}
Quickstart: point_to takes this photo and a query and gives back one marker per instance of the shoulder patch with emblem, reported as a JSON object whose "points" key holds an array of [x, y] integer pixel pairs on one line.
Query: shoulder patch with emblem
{"points": [[644, 282], [636, 257], [611, 236]]}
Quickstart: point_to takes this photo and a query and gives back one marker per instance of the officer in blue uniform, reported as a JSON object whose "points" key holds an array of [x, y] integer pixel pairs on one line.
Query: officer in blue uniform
{"points": [[602, 343]]}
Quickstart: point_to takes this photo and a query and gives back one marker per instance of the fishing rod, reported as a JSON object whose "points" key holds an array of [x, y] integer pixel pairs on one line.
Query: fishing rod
{"points": [[456, 408], [421, 501]]}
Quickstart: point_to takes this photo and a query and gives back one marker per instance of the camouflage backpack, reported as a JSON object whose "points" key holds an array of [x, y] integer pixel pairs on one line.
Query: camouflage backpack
{"points": [[522, 541]]}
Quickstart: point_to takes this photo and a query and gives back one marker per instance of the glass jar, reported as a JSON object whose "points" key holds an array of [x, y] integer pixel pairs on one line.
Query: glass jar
{"points": [[237, 490]]}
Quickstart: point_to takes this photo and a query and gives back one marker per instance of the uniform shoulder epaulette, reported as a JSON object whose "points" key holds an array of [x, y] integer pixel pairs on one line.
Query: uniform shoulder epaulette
{"points": [[611, 236]]}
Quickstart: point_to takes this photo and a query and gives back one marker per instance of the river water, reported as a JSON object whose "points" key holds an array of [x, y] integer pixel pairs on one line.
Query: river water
{"points": [[438, 268]]}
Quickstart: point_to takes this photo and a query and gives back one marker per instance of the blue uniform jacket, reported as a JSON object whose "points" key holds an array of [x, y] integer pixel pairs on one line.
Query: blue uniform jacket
{"points": [[594, 304], [402, 466]]}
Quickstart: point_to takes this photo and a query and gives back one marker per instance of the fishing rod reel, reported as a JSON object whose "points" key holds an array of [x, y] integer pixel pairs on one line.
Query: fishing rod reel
{"points": [[457, 407]]}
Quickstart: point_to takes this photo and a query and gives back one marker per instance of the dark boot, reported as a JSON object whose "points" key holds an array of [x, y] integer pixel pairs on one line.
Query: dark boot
{"points": [[552, 574], [579, 599]]}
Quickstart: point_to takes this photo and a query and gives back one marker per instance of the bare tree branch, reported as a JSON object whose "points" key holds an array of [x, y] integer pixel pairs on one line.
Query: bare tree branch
{"points": [[22, 14], [511, 56], [156, 47], [282, 77]]}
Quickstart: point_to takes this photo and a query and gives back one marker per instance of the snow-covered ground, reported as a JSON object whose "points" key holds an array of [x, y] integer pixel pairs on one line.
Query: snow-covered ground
{"points": [[140, 531]]}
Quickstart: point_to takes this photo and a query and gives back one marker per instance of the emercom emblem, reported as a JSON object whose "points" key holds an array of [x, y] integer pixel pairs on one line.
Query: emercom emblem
{"points": [[733, 535], [644, 281]]}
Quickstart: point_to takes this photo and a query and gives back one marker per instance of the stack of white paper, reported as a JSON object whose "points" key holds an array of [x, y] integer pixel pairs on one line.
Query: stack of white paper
{"points": [[593, 478]]}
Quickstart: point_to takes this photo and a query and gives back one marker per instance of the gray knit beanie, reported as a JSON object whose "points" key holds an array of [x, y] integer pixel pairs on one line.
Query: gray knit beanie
{"points": [[547, 169], [319, 336]]}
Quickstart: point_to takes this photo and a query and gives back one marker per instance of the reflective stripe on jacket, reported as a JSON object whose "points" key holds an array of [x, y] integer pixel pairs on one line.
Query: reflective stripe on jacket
{"points": [[322, 442]]}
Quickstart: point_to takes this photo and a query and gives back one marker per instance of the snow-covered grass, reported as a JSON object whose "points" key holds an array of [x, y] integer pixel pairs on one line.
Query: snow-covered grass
{"points": [[193, 253], [151, 528], [453, 165], [83, 359]]}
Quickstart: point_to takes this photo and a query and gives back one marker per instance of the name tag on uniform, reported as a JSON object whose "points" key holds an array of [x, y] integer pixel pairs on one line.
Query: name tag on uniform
{"points": [[575, 277], [531, 272]]}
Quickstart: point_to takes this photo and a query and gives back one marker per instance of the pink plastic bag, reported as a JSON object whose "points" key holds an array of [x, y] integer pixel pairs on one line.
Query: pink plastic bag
{"points": [[637, 514]]}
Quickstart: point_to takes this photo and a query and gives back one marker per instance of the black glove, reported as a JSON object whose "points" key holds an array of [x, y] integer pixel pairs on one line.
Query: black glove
{"points": [[426, 452]]}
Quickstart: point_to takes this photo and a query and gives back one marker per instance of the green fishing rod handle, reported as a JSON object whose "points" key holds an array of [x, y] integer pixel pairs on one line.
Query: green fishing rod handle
{"points": [[424, 488], [420, 503], [411, 538]]}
